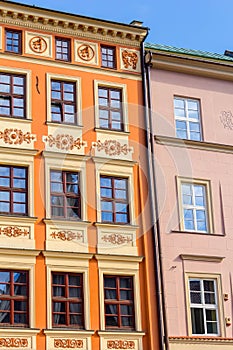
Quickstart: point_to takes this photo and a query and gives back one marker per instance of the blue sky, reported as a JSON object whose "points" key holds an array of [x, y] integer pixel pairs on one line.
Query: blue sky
{"points": [[199, 24]]}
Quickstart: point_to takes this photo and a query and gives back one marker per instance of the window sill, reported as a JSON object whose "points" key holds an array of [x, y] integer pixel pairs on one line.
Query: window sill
{"points": [[63, 125], [15, 119], [113, 132], [199, 233], [112, 224], [75, 331], [121, 331]]}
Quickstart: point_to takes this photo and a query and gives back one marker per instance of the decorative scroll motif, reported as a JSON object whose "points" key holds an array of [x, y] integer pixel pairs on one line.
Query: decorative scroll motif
{"points": [[68, 343], [112, 147], [120, 344], [38, 44], [16, 136], [66, 235], [13, 231], [116, 238], [86, 52], [64, 142], [13, 343], [130, 59], [226, 118]]}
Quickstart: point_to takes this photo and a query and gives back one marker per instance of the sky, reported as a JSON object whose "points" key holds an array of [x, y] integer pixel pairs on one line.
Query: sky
{"points": [[194, 24]]}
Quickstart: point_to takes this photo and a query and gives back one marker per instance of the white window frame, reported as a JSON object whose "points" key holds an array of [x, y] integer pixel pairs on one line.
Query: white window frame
{"points": [[218, 306], [207, 207], [70, 79], [123, 88], [186, 117]]}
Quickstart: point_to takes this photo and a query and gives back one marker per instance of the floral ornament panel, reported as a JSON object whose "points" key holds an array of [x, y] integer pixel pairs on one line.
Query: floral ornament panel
{"points": [[117, 239], [112, 147], [66, 235], [64, 142], [38, 44], [120, 344], [16, 137], [13, 343], [226, 118], [13, 231], [86, 52], [68, 343]]}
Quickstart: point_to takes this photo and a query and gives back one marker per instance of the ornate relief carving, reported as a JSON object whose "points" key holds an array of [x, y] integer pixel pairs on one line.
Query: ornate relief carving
{"points": [[64, 142], [112, 147], [16, 136], [13, 231], [116, 238], [13, 343], [226, 118], [130, 59], [120, 344], [66, 235], [38, 44], [68, 343], [86, 52]]}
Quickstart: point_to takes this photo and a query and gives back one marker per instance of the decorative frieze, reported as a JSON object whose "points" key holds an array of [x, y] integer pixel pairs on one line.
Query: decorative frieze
{"points": [[66, 235], [120, 344], [68, 344], [38, 44], [112, 147], [116, 239], [13, 343], [130, 60], [86, 52], [13, 231], [226, 118], [64, 142], [15, 136]]}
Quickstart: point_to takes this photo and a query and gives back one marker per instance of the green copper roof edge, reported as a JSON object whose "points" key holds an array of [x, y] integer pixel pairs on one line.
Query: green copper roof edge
{"points": [[190, 52]]}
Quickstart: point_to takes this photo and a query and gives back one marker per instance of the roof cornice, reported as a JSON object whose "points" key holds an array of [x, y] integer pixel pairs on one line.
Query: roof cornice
{"points": [[192, 65], [36, 18]]}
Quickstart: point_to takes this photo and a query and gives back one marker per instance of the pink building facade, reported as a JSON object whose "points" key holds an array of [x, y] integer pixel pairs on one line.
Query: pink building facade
{"points": [[192, 126]]}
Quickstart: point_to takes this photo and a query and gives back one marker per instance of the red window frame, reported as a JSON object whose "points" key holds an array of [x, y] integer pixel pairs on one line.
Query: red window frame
{"points": [[15, 43], [12, 189], [108, 57], [114, 200], [65, 195], [63, 102], [67, 300], [118, 317], [106, 106], [15, 300], [63, 49], [8, 98]]}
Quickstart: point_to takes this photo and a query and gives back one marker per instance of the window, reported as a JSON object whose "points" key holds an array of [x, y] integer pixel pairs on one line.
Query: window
{"points": [[67, 300], [119, 302], [65, 194], [114, 200], [13, 190], [203, 306], [12, 95], [63, 102], [62, 49], [187, 118], [194, 206], [110, 108], [14, 298], [108, 57], [13, 39]]}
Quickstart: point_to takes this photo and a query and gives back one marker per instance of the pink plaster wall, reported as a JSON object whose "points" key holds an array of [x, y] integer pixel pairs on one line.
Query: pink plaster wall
{"points": [[215, 96]]}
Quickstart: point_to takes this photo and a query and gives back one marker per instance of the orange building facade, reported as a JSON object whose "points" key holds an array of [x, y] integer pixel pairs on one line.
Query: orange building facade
{"points": [[75, 243]]}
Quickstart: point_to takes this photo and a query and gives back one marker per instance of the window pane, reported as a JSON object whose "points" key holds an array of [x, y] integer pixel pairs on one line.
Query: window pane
{"points": [[197, 321], [179, 103]]}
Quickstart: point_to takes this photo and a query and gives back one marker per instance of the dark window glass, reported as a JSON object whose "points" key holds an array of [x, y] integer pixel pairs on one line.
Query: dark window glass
{"points": [[67, 300], [14, 298], [108, 57], [12, 95], [114, 200], [13, 190], [119, 302], [110, 108], [62, 49], [65, 194], [13, 41], [63, 102]]}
